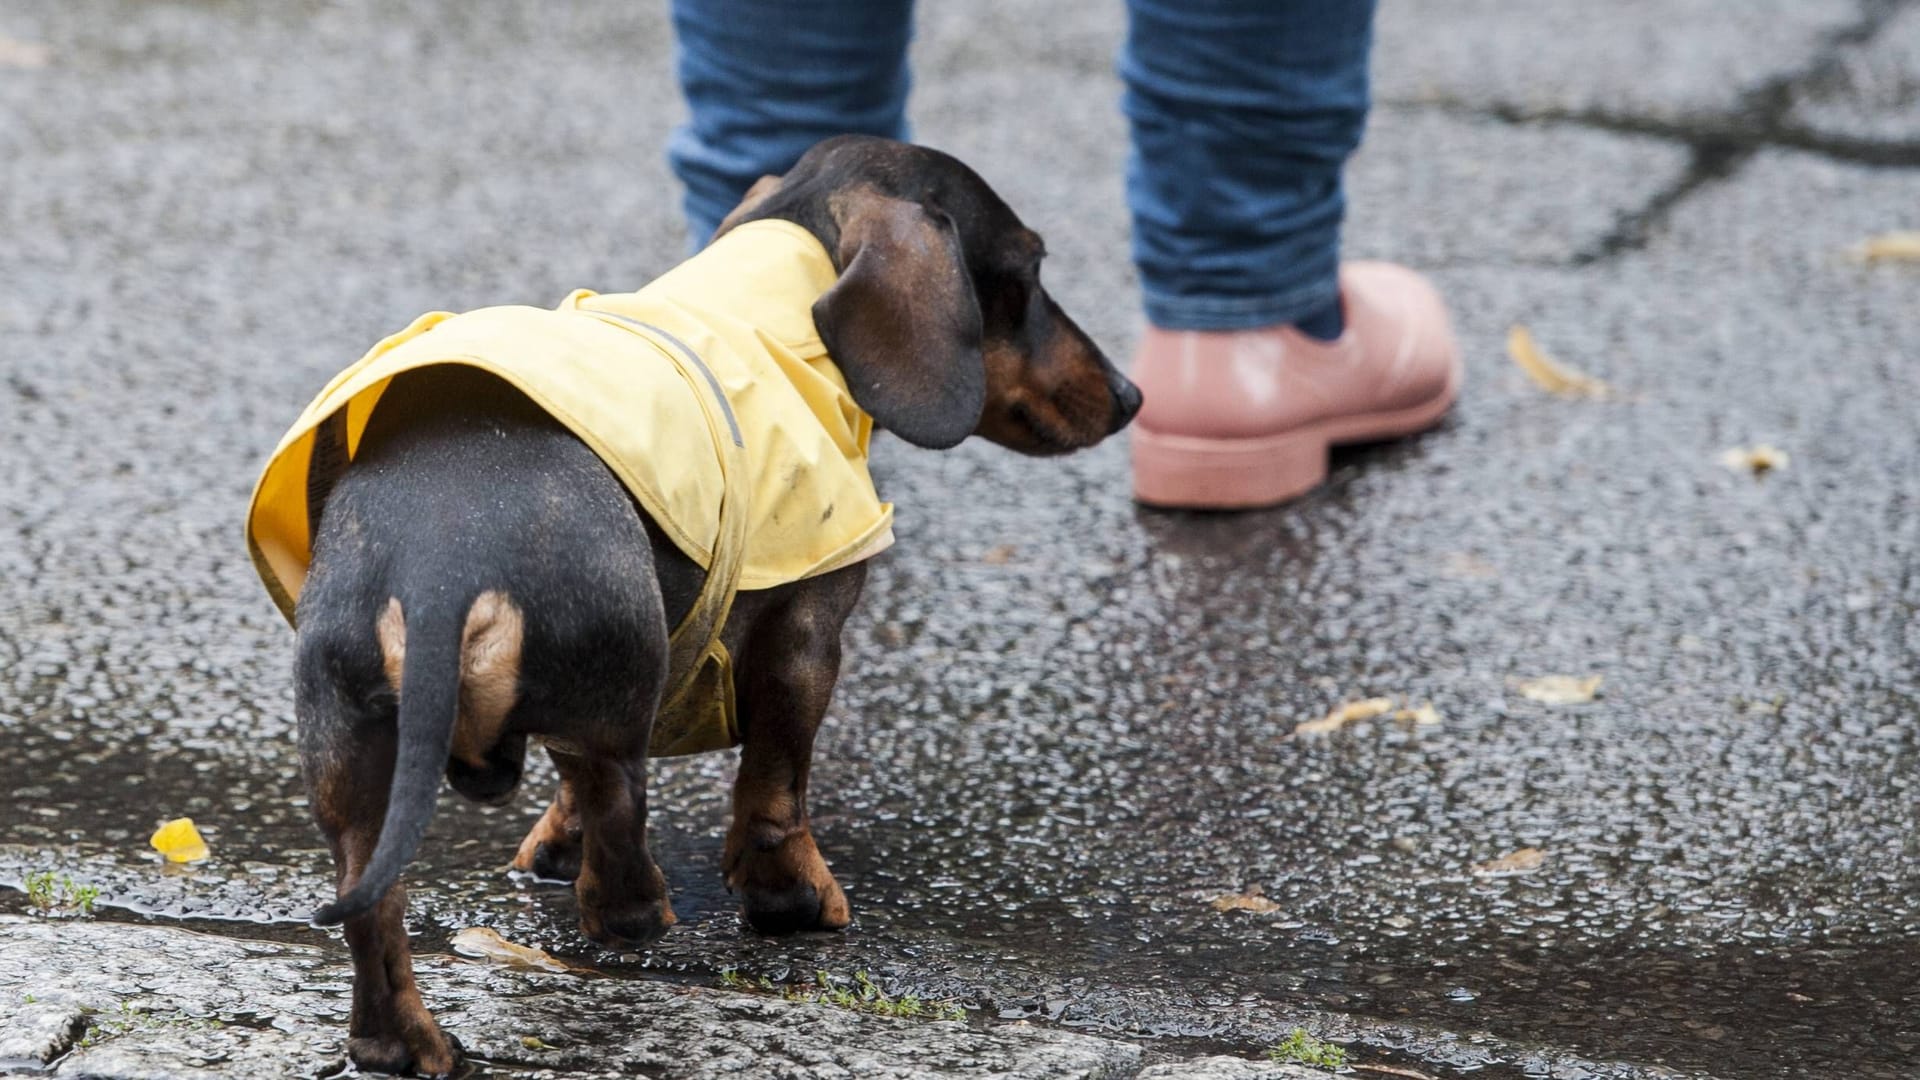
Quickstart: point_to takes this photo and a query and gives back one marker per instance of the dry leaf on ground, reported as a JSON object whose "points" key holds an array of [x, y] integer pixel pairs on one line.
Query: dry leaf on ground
{"points": [[999, 556], [1421, 715], [1524, 861], [1466, 566], [1889, 247], [1350, 713], [1392, 1070], [486, 944], [180, 842], [1549, 374], [1251, 900], [15, 53], [1561, 689], [1757, 460]]}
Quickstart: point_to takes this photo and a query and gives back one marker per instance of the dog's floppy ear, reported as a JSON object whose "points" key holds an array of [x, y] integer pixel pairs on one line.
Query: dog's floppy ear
{"points": [[903, 323]]}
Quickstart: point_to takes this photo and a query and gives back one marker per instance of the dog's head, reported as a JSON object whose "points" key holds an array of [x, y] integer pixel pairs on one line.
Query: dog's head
{"points": [[939, 321]]}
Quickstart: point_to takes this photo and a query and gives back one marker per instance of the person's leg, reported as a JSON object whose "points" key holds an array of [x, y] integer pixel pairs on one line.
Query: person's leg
{"points": [[1243, 114], [766, 79], [1262, 350]]}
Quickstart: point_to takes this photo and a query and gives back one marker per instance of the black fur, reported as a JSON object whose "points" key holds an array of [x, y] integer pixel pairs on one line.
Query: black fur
{"points": [[442, 504]]}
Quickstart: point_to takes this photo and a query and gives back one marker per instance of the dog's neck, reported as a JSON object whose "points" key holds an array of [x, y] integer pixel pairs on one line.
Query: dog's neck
{"points": [[767, 273]]}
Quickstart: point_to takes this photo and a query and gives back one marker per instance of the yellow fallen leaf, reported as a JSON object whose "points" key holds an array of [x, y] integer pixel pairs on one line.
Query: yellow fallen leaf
{"points": [[485, 943], [23, 54], [1561, 689], [180, 842], [1349, 713], [1889, 247], [1549, 374], [1421, 715], [1000, 555], [1251, 900], [1524, 861], [1756, 460]]}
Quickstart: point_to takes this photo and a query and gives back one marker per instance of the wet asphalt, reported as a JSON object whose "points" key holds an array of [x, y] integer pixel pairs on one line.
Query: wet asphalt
{"points": [[1062, 728]]}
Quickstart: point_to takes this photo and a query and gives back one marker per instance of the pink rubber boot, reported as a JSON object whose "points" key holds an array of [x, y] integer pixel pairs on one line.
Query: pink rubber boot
{"points": [[1245, 418]]}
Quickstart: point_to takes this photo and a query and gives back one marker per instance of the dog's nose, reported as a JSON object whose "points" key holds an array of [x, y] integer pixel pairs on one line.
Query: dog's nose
{"points": [[1126, 400]]}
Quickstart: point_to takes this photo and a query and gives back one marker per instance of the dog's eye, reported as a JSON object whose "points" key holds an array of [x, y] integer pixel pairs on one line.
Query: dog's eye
{"points": [[1026, 275], [1007, 299]]}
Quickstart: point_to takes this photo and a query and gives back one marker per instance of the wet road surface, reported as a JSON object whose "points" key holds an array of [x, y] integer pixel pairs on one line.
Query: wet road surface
{"points": [[1061, 731]]}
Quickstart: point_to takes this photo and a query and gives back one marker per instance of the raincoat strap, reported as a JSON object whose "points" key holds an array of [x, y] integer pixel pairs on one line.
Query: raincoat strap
{"points": [[324, 470], [688, 721]]}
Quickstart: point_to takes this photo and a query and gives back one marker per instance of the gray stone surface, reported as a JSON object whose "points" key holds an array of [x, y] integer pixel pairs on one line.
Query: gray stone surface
{"points": [[1873, 91], [1791, 220], [132, 1003], [122, 1003], [1425, 185], [1665, 59], [1229, 1068], [34, 1033]]}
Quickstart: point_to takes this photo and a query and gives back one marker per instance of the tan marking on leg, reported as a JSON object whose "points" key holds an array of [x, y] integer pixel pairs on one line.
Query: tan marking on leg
{"points": [[489, 674], [558, 827], [391, 629]]}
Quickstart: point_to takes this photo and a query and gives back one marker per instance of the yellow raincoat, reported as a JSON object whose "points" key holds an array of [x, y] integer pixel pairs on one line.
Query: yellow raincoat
{"points": [[718, 354]]}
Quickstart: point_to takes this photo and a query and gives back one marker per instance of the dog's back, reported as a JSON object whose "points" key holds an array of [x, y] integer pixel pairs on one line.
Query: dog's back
{"points": [[418, 633]]}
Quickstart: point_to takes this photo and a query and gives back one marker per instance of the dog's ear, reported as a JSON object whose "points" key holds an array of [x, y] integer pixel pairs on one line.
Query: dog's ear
{"points": [[903, 323]]}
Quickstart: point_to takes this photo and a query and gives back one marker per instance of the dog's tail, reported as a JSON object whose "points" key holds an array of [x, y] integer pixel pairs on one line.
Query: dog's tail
{"points": [[430, 672]]}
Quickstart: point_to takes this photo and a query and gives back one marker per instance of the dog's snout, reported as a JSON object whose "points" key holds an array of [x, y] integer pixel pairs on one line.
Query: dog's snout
{"points": [[1126, 400]]}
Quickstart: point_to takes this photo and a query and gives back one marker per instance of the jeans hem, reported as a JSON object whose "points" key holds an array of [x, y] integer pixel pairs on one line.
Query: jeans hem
{"points": [[1237, 312]]}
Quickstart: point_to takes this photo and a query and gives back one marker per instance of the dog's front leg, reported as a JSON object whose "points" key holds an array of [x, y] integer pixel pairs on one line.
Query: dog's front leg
{"points": [[785, 683]]}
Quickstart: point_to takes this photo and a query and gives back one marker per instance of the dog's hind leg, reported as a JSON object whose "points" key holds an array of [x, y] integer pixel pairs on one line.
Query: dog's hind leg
{"points": [[623, 895], [390, 1029], [785, 682]]}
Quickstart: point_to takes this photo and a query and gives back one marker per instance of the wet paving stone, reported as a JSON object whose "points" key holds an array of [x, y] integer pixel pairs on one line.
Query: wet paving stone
{"points": [[104, 1002]]}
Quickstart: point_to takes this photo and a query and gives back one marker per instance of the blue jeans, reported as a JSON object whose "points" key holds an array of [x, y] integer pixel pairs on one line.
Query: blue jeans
{"points": [[1243, 113]]}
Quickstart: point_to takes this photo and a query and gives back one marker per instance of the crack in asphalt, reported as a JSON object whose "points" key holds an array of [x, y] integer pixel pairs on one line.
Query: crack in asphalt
{"points": [[1719, 156], [1720, 146]]}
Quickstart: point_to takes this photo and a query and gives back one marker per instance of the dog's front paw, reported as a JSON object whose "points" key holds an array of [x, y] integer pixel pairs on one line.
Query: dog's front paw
{"points": [[434, 1054], [800, 906], [787, 888]]}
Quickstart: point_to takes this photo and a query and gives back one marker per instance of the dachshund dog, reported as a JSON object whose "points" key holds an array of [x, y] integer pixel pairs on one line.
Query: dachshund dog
{"points": [[479, 577]]}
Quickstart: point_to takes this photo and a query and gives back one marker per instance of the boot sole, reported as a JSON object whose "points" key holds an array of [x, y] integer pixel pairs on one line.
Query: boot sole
{"points": [[1188, 472]]}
